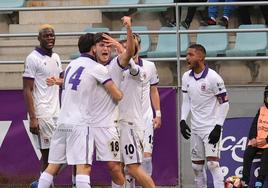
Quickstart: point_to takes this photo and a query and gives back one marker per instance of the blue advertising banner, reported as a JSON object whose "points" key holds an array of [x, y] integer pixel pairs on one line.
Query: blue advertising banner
{"points": [[19, 160], [233, 145]]}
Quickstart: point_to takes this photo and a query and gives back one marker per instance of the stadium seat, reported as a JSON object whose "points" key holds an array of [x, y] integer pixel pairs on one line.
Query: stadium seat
{"points": [[90, 30], [11, 3], [145, 39], [120, 2], [96, 29], [215, 43], [249, 43], [167, 44], [155, 9]]}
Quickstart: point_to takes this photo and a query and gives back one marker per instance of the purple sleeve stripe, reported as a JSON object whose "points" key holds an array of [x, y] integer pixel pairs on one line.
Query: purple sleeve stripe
{"points": [[117, 60], [184, 91], [27, 78], [155, 84], [106, 81]]}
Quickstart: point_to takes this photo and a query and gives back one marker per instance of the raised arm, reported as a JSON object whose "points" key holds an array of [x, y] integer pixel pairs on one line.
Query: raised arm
{"points": [[130, 50]]}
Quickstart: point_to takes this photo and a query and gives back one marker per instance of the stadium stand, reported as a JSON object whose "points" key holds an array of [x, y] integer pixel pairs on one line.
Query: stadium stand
{"points": [[167, 44], [249, 43], [90, 30], [215, 43], [11, 3], [145, 39], [120, 2], [96, 29], [155, 9]]}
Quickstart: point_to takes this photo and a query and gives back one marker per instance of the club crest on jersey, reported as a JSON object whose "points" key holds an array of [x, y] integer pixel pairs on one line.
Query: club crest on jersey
{"points": [[46, 141], [203, 87]]}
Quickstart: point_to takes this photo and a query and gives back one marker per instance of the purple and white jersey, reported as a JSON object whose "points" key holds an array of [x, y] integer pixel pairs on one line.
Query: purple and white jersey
{"points": [[130, 107], [105, 105], [150, 79], [202, 93], [39, 66], [83, 83], [116, 71]]}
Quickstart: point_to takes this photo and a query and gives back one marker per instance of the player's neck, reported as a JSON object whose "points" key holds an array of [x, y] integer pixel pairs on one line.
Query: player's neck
{"points": [[199, 69]]}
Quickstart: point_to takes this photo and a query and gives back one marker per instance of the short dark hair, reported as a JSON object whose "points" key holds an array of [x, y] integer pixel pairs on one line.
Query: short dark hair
{"points": [[199, 47], [137, 36], [85, 42], [98, 37]]}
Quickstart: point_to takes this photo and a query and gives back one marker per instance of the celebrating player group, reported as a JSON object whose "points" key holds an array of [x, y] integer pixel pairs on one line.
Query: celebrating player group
{"points": [[105, 107]]}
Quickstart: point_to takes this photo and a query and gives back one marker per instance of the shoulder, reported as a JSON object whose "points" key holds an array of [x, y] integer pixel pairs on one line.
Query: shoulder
{"points": [[55, 56], [213, 74], [99, 67], [186, 75], [148, 63]]}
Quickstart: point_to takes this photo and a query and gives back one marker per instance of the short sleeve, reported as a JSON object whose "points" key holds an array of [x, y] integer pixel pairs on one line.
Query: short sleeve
{"points": [[217, 85], [184, 82], [29, 68], [154, 79], [60, 64], [101, 74]]}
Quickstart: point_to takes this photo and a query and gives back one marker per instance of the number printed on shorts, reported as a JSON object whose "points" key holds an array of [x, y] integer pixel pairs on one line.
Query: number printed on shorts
{"points": [[150, 139], [129, 149], [74, 78], [114, 146]]}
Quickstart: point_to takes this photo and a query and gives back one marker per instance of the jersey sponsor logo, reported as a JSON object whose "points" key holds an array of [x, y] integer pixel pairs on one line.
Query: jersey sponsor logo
{"points": [[220, 86]]}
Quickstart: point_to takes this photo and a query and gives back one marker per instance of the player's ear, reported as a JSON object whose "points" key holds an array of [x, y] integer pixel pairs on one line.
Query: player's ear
{"points": [[94, 49]]}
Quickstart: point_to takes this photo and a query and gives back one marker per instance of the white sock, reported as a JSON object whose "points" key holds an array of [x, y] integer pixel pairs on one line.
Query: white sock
{"points": [[82, 181], [73, 181], [45, 180], [200, 175], [130, 182], [114, 185], [147, 165], [217, 173]]}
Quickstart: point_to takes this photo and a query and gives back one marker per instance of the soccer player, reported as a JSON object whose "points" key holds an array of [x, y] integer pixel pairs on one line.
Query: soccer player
{"points": [[205, 96], [72, 143], [150, 95], [107, 136], [131, 121], [258, 142], [42, 101]]}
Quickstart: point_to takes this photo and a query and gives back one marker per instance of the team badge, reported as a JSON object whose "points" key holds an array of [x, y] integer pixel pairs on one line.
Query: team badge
{"points": [[203, 87]]}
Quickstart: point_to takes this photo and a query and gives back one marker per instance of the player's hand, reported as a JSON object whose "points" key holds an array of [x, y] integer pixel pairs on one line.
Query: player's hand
{"points": [[261, 142], [215, 135], [34, 126], [185, 130], [51, 81], [126, 20], [252, 142], [157, 122]]}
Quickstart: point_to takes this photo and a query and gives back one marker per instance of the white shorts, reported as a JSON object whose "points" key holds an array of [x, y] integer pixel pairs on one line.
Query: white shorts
{"points": [[72, 146], [131, 143], [200, 148], [149, 136], [47, 127], [107, 143]]}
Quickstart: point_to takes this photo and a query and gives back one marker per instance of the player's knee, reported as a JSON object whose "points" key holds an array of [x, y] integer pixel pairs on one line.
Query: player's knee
{"points": [[132, 169], [116, 173], [212, 165]]}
